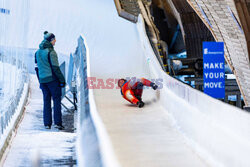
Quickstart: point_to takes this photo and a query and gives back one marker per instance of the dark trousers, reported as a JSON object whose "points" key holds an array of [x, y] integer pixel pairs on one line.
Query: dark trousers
{"points": [[51, 89], [138, 90]]}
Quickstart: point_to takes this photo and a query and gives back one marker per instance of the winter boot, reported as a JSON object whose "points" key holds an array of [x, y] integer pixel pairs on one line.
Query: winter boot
{"points": [[140, 104]]}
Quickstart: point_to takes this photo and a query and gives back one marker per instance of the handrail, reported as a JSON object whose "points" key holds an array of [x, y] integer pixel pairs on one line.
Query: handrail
{"points": [[87, 113], [13, 103]]}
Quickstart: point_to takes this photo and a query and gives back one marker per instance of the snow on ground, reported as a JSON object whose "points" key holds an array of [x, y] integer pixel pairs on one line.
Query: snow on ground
{"points": [[11, 79], [8, 78], [33, 144]]}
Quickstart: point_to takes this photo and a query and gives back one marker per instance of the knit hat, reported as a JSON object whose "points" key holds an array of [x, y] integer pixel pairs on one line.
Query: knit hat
{"points": [[49, 36]]}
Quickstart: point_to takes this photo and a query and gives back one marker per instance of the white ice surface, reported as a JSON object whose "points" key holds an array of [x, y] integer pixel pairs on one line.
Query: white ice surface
{"points": [[61, 17]]}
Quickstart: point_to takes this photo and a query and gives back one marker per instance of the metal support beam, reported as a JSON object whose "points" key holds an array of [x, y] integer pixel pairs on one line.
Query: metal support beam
{"points": [[175, 37], [238, 101]]}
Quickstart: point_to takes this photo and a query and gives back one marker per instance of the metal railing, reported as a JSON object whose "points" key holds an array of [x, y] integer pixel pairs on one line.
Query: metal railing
{"points": [[13, 76], [87, 138]]}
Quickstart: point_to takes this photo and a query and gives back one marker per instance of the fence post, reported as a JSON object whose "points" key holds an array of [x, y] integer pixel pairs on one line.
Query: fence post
{"points": [[62, 68]]}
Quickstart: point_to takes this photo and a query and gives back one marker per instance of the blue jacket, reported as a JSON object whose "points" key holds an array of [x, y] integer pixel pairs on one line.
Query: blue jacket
{"points": [[48, 69]]}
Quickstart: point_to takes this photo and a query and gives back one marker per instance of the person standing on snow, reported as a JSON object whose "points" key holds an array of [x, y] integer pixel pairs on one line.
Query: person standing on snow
{"points": [[132, 92], [51, 80]]}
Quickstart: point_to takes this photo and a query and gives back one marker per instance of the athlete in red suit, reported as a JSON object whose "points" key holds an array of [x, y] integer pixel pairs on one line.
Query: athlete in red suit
{"points": [[132, 91]]}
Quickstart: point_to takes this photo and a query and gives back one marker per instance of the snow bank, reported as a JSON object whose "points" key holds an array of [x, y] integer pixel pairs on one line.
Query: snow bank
{"points": [[11, 124], [13, 75]]}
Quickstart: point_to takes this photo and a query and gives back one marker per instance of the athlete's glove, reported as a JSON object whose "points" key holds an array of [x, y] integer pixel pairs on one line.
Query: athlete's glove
{"points": [[140, 104], [154, 86]]}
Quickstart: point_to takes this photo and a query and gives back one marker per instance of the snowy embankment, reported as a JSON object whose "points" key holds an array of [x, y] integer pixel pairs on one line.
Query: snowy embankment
{"points": [[33, 145], [14, 92]]}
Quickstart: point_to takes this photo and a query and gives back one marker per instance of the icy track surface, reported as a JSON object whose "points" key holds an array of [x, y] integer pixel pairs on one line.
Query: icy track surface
{"points": [[143, 137], [204, 131], [182, 127], [33, 145]]}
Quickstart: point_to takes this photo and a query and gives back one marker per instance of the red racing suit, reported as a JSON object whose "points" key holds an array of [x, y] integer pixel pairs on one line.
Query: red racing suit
{"points": [[131, 90]]}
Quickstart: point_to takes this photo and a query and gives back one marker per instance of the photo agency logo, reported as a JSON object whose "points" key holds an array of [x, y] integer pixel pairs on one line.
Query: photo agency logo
{"points": [[112, 83]]}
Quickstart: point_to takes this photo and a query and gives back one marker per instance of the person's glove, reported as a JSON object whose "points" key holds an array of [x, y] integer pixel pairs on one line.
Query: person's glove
{"points": [[37, 73], [62, 84], [154, 86], [140, 104]]}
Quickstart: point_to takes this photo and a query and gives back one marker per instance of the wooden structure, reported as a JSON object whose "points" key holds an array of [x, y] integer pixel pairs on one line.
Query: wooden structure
{"points": [[222, 19], [128, 9]]}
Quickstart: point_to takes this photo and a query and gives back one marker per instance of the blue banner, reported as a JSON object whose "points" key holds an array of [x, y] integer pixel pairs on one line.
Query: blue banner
{"points": [[214, 69]]}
